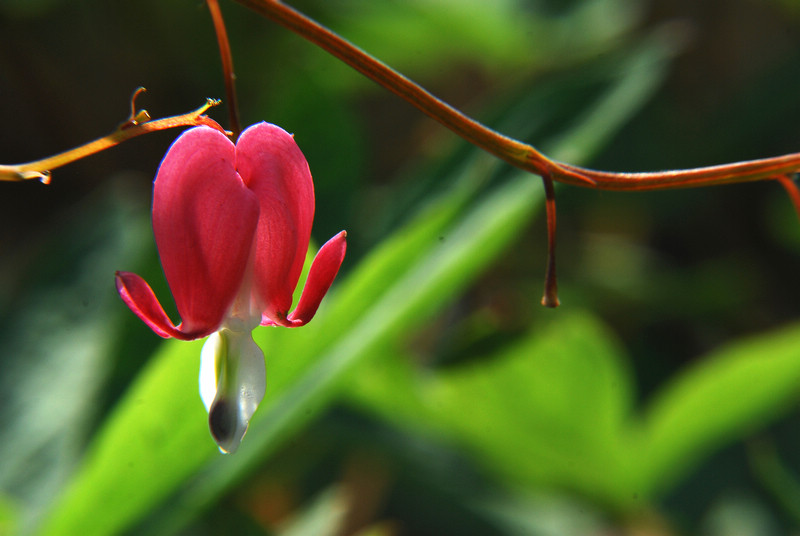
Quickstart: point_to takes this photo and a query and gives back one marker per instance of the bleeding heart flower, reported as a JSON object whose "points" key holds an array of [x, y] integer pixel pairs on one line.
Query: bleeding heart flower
{"points": [[232, 224]]}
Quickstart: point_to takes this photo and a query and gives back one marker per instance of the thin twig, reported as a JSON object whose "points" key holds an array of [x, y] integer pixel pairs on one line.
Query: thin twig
{"points": [[513, 151], [227, 66], [137, 124], [550, 297], [508, 149], [792, 190]]}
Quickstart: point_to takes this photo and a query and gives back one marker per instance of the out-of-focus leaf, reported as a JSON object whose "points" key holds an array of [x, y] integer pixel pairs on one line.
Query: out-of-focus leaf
{"points": [[555, 409], [58, 343], [9, 517], [505, 35], [725, 396], [156, 436], [644, 67], [551, 410], [323, 517], [543, 514]]}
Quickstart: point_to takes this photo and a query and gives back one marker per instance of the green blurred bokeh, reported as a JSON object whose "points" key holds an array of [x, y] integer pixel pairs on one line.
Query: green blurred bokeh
{"points": [[641, 403]]}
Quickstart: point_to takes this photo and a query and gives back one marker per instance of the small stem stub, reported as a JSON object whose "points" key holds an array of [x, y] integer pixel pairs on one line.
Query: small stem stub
{"points": [[789, 183], [227, 67], [550, 297], [136, 117]]}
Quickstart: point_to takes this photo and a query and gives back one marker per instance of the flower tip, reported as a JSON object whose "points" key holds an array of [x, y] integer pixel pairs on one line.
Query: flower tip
{"points": [[232, 384], [223, 427]]}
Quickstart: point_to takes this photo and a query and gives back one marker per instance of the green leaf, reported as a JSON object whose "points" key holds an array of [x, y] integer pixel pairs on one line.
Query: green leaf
{"points": [[551, 410], [156, 436], [503, 35], [9, 516], [59, 331], [725, 396]]}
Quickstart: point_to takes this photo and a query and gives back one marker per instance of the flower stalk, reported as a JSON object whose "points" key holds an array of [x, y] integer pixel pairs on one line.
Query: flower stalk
{"points": [[229, 75], [523, 155], [550, 296], [138, 123], [515, 152]]}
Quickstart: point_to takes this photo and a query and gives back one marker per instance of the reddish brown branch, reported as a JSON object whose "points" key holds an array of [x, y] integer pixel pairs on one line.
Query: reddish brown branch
{"points": [[227, 66], [550, 297], [513, 151], [137, 124], [794, 192]]}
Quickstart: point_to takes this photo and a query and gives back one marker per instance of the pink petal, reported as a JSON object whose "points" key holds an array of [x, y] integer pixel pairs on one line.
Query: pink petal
{"points": [[204, 220], [274, 168], [320, 277], [138, 295]]}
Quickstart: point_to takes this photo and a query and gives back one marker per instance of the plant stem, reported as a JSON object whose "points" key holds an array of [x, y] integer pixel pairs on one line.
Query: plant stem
{"points": [[792, 190], [227, 67], [137, 124], [550, 297], [508, 149], [513, 151]]}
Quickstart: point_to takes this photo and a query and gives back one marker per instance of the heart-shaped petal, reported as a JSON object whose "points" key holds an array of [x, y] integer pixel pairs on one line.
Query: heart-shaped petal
{"points": [[204, 221], [273, 167]]}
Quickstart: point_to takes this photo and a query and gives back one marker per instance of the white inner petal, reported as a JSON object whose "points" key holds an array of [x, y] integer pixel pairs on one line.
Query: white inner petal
{"points": [[211, 358], [232, 384]]}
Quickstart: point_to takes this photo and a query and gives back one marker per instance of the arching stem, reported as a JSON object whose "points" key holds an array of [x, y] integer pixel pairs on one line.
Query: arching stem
{"points": [[513, 151], [792, 190], [227, 67]]}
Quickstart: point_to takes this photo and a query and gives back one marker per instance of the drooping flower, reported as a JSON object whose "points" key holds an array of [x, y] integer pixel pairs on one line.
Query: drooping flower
{"points": [[232, 225]]}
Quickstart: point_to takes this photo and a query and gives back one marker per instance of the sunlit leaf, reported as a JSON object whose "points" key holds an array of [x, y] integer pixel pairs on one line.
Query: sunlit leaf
{"points": [[551, 410], [723, 397], [58, 344]]}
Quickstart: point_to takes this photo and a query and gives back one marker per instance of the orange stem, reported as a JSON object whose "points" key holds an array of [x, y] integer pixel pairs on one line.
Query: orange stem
{"points": [[508, 149], [137, 124], [227, 66], [513, 151], [794, 192], [550, 297]]}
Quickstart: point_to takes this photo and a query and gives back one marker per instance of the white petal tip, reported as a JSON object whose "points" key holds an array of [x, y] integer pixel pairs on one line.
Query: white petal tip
{"points": [[226, 426]]}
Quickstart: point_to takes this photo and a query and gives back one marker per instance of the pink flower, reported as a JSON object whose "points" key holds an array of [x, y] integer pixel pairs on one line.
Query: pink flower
{"points": [[232, 224]]}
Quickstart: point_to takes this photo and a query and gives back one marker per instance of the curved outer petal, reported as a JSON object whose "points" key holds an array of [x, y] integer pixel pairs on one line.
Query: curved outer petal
{"points": [[274, 168], [138, 295], [320, 277], [204, 220]]}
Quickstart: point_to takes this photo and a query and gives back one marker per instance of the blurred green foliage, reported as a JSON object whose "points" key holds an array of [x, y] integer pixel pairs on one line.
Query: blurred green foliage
{"points": [[431, 395]]}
